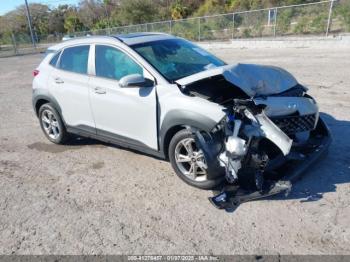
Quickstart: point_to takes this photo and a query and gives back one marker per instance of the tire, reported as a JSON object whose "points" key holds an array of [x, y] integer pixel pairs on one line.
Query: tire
{"points": [[52, 125], [178, 152]]}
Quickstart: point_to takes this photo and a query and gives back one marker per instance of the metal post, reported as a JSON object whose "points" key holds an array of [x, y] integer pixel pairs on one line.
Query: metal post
{"points": [[233, 25], [170, 27], [275, 23], [14, 43], [199, 29], [30, 23], [329, 17]]}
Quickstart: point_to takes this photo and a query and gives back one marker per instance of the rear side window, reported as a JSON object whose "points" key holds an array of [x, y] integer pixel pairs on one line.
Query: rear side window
{"points": [[54, 60], [113, 63], [75, 59]]}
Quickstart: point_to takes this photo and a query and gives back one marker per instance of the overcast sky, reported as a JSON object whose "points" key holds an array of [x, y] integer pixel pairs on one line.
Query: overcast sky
{"points": [[8, 5]]}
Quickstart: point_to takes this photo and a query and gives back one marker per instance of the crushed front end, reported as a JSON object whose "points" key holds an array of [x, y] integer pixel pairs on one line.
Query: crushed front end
{"points": [[263, 144]]}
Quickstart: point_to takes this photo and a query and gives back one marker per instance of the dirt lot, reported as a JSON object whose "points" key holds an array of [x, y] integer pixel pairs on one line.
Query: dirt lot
{"points": [[93, 198]]}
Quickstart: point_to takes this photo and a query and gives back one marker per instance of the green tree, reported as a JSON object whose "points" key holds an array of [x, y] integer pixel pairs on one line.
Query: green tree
{"points": [[137, 11], [210, 7], [91, 12], [72, 23], [178, 10], [40, 17], [101, 24], [15, 21], [56, 19]]}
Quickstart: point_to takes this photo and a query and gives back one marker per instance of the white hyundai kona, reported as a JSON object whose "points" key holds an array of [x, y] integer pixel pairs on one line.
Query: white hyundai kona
{"points": [[240, 124]]}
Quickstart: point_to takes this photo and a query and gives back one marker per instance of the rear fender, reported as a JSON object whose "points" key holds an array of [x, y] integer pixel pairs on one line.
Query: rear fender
{"points": [[39, 94]]}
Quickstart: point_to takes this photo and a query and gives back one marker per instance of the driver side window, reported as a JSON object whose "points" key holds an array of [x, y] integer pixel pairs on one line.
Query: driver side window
{"points": [[113, 63]]}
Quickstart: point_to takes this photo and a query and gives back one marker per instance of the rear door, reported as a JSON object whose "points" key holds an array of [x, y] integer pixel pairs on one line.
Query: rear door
{"points": [[68, 83], [127, 114]]}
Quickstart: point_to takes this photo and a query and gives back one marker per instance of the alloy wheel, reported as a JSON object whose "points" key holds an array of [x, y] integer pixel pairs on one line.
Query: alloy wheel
{"points": [[190, 160], [50, 124]]}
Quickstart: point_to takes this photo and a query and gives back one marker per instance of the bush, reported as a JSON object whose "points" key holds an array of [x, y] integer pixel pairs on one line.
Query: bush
{"points": [[51, 38], [216, 27], [342, 10], [319, 24], [247, 32], [284, 19], [302, 26], [186, 29], [5, 38]]}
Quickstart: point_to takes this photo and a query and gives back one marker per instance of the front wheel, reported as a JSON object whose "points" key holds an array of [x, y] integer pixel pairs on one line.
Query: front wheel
{"points": [[188, 161]]}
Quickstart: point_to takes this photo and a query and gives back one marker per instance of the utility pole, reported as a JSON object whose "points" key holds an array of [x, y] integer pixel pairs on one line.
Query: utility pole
{"points": [[329, 21], [30, 23]]}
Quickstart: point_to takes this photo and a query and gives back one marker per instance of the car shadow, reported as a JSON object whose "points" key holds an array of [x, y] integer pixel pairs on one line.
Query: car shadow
{"points": [[331, 170], [85, 141], [323, 177]]}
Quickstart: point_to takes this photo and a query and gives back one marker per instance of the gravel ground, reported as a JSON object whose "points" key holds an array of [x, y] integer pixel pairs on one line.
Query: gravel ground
{"points": [[94, 198]]}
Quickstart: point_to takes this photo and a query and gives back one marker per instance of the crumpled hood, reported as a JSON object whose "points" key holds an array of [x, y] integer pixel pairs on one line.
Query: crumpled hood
{"points": [[252, 79]]}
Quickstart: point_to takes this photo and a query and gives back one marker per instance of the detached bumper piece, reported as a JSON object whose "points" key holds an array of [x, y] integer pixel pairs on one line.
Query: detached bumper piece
{"points": [[320, 139]]}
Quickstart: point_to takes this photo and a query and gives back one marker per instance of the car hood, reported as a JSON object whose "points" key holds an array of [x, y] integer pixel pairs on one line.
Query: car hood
{"points": [[250, 78]]}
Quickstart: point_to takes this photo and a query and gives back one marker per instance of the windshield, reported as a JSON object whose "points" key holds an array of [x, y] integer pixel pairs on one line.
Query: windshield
{"points": [[176, 58]]}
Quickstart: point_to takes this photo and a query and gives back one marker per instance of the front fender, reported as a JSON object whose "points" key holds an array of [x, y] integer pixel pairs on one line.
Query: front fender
{"points": [[180, 117]]}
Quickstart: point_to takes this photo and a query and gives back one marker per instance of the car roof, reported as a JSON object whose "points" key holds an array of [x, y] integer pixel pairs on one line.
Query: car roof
{"points": [[127, 39], [80, 40], [143, 37]]}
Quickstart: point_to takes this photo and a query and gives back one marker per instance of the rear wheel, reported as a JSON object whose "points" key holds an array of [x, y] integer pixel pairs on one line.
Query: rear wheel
{"points": [[188, 161], [52, 124]]}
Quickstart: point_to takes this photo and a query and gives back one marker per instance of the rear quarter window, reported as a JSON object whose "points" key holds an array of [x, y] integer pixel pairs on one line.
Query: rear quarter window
{"points": [[54, 60], [75, 59]]}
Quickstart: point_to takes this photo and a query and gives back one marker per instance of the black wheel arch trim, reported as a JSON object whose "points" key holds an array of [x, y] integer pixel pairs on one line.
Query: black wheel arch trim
{"points": [[179, 117], [40, 94]]}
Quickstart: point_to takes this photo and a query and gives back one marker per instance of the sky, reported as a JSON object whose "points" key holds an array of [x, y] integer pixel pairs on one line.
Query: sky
{"points": [[8, 5]]}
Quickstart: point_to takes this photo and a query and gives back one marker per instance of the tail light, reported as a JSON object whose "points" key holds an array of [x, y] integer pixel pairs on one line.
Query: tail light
{"points": [[35, 72]]}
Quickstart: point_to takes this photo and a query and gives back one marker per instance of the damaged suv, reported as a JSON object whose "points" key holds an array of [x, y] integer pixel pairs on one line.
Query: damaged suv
{"points": [[248, 125]]}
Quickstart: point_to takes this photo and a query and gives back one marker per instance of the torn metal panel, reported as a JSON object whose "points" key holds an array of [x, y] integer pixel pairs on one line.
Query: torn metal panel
{"points": [[252, 79], [274, 134], [264, 127]]}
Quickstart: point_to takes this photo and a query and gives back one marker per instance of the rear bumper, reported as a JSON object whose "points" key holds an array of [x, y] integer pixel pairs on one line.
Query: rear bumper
{"points": [[231, 197]]}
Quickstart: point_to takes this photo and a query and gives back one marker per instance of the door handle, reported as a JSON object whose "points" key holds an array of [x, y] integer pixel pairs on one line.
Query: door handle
{"points": [[58, 80], [100, 90]]}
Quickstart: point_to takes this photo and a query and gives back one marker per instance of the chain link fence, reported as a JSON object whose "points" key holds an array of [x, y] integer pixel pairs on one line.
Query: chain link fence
{"points": [[320, 18]]}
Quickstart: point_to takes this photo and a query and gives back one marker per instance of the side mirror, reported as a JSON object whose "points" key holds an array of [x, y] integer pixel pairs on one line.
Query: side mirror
{"points": [[134, 80]]}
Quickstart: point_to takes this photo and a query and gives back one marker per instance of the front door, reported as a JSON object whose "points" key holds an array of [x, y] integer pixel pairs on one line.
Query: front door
{"points": [[123, 113]]}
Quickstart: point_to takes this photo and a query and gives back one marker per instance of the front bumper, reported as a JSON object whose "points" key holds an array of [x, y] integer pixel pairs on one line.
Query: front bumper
{"points": [[304, 157]]}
